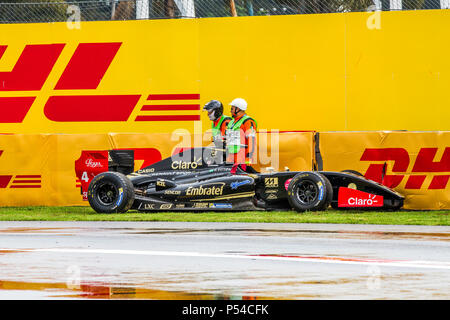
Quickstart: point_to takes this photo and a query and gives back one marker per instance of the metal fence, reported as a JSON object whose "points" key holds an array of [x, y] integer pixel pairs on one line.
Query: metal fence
{"points": [[16, 11]]}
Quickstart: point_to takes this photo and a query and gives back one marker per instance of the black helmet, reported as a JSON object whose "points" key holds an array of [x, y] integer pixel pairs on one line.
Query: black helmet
{"points": [[216, 106]]}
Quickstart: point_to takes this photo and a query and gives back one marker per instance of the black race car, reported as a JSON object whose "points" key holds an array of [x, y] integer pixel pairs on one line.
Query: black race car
{"points": [[194, 180], [197, 179]]}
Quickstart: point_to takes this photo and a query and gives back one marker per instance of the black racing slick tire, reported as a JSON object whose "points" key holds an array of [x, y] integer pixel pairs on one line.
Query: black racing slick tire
{"points": [[111, 192], [310, 191]]}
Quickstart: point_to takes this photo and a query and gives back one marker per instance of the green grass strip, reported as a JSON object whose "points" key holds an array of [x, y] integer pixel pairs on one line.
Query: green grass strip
{"points": [[83, 213]]}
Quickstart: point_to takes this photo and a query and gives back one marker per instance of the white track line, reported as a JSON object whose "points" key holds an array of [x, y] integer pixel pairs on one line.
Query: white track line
{"points": [[316, 259]]}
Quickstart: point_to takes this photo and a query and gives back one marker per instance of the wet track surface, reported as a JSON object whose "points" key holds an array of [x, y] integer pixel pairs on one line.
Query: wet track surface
{"points": [[174, 260]]}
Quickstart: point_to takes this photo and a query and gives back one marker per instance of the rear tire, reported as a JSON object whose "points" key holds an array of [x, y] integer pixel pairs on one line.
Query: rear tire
{"points": [[310, 191], [111, 192]]}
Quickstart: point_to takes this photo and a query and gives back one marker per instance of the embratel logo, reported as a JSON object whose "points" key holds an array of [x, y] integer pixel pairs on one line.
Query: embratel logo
{"points": [[215, 189], [84, 71], [424, 165], [20, 181]]}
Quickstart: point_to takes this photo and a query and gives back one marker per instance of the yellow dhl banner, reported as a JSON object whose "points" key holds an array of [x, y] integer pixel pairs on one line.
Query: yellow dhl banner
{"points": [[350, 71], [39, 170], [416, 164]]}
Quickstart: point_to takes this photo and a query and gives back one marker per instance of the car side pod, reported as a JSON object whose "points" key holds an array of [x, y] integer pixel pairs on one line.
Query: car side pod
{"points": [[111, 192], [309, 191]]}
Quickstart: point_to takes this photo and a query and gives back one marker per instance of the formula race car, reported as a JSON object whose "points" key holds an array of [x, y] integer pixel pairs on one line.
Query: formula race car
{"points": [[193, 180]]}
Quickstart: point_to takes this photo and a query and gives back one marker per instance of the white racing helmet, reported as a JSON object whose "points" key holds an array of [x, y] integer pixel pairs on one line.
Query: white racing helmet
{"points": [[239, 103]]}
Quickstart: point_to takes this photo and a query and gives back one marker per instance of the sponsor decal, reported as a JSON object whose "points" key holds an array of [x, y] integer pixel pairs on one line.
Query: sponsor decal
{"points": [[271, 182], [348, 197], [231, 196], [201, 205], [181, 165], [165, 206], [320, 185], [93, 164], [146, 170], [221, 205], [272, 197], [85, 70], [161, 183], [179, 206], [208, 190], [286, 184], [119, 201], [423, 166], [149, 206], [236, 184], [173, 192]]}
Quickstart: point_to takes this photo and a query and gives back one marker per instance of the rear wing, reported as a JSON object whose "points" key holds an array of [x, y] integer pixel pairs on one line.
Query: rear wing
{"points": [[93, 162]]}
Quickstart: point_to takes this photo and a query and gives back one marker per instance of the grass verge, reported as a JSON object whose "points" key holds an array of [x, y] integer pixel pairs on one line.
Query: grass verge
{"points": [[403, 217]]}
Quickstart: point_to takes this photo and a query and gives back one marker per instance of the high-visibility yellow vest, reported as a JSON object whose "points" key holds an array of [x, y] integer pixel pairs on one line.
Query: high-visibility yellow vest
{"points": [[216, 132], [233, 134]]}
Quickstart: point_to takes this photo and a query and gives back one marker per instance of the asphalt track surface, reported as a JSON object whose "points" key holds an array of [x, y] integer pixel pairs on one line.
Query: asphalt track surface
{"points": [[179, 261]]}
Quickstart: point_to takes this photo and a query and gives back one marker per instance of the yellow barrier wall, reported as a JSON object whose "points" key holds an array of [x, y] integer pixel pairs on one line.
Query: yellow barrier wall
{"points": [[351, 71], [417, 163], [39, 170]]}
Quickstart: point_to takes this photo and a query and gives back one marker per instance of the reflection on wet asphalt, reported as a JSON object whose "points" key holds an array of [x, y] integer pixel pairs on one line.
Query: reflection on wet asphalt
{"points": [[173, 261], [101, 291]]}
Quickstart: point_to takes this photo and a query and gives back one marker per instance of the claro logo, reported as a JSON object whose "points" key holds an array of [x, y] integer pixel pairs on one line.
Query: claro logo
{"points": [[425, 164], [348, 197], [84, 71], [181, 165]]}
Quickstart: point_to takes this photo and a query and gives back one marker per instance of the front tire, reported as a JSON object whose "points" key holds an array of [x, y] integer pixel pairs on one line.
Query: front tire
{"points": [[111, 192], [309, 191]]}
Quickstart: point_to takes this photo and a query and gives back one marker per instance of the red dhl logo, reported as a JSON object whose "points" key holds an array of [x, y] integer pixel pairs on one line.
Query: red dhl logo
{"points": [[20, 181], [425, 164], [84, 71]]}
